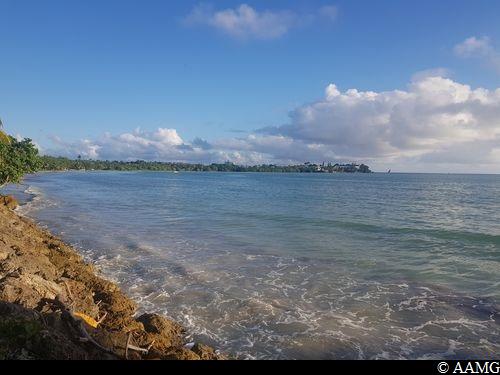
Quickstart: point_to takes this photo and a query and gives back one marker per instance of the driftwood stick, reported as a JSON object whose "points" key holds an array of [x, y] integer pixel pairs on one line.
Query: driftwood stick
{"points": [[78, 324], [128, 344], [151, 345], [137, 349], [102, 318], [87, 336], [69, 290]]}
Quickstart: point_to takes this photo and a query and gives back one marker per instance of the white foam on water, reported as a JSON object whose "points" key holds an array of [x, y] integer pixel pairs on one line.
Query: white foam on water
{"points": [[38, 202], [248, 326]]}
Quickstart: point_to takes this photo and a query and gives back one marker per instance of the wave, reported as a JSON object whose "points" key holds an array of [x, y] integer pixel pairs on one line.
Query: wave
{"points": [[443, 234], [36, 201]]}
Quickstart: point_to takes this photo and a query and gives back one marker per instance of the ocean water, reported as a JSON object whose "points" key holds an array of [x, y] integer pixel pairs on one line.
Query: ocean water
{"points": [[280, 266]]}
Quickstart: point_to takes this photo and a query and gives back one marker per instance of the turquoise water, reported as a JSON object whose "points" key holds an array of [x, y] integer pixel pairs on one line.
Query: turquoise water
{"points": [[294, 265]]}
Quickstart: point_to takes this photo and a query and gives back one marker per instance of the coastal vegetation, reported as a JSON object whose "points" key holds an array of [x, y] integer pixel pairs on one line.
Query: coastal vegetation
{"points": [[50, 163], [17, 158]]}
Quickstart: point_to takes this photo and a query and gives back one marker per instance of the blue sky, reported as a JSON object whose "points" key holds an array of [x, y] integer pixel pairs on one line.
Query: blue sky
{"points": [[78, 75]]}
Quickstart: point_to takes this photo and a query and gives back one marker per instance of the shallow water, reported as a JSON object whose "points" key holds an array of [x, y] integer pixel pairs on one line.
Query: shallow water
{"points": [[295, 265]]}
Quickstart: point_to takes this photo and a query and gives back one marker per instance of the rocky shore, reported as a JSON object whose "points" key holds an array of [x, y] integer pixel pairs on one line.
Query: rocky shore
{"points": [[55, 306]]}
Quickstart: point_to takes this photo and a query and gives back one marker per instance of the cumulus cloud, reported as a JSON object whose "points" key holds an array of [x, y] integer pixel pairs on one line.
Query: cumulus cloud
{"points": [[434, 72], [245, 22], [434, 116], [473, 46], [166, 145], [435, 124], [479, 48], [162, 144]]}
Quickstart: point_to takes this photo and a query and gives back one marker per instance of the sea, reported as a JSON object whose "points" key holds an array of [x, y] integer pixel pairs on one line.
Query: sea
{"points": [[294, 266]]}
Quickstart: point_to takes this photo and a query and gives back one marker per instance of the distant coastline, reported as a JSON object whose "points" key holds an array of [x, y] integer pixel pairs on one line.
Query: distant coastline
{"points": [[51, 163]]}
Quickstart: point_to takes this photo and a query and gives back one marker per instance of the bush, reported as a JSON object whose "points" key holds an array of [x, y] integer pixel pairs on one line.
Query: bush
{"points": [[16, 159]]}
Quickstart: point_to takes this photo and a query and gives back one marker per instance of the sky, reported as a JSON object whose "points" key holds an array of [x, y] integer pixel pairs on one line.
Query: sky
{"points": [[402, 85]]}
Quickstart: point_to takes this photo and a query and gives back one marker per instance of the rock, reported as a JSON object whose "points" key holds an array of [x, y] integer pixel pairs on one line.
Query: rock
{"points": [[24, 334], [111, 339], [12, 310], [182, 354], [165, 333], [13, 291], [28, 263], [9, 201], [117, 302], [28, 290], [205, 352], [3, 255], [157, 324], [82, 298], [120, 310]]}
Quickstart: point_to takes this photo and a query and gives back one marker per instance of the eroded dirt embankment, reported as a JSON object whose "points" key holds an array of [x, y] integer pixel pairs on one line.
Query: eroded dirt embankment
{"points": [[54, 306]]}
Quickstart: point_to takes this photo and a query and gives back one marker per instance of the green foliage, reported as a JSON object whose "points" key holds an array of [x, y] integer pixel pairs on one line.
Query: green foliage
{"points": [[4, 138], [17, 332], [15, 335], [51, 163], [16, 159]]}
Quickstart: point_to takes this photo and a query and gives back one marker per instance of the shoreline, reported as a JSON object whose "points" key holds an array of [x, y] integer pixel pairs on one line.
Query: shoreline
{"points": [[53, 305]]}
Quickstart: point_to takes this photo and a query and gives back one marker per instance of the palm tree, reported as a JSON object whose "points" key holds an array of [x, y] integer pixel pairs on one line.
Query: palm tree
{"points": [[4, 138]]}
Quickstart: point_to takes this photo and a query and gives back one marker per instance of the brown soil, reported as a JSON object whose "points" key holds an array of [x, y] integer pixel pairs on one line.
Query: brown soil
{"points": [[44, 283]]}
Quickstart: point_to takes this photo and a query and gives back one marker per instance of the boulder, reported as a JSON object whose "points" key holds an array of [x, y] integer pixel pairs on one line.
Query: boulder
{"points": [[182, 354], [205, 352], [163, 331], [157, 324], [9, 201], [27, 290]]}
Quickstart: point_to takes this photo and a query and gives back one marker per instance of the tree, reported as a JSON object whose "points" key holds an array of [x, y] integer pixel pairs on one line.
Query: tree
{"points": [[16, 159]]}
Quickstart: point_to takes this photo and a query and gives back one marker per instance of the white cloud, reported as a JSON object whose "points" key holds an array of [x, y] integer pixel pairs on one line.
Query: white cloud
{"points": [[473, 47], [479, 48], [436, 124], [162, 144], [434, 116], [435, 72], [245, 22], [330, 12]]}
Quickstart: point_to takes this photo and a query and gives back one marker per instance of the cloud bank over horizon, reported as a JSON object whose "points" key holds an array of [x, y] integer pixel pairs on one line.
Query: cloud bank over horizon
{"points": [[436, 124]]}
